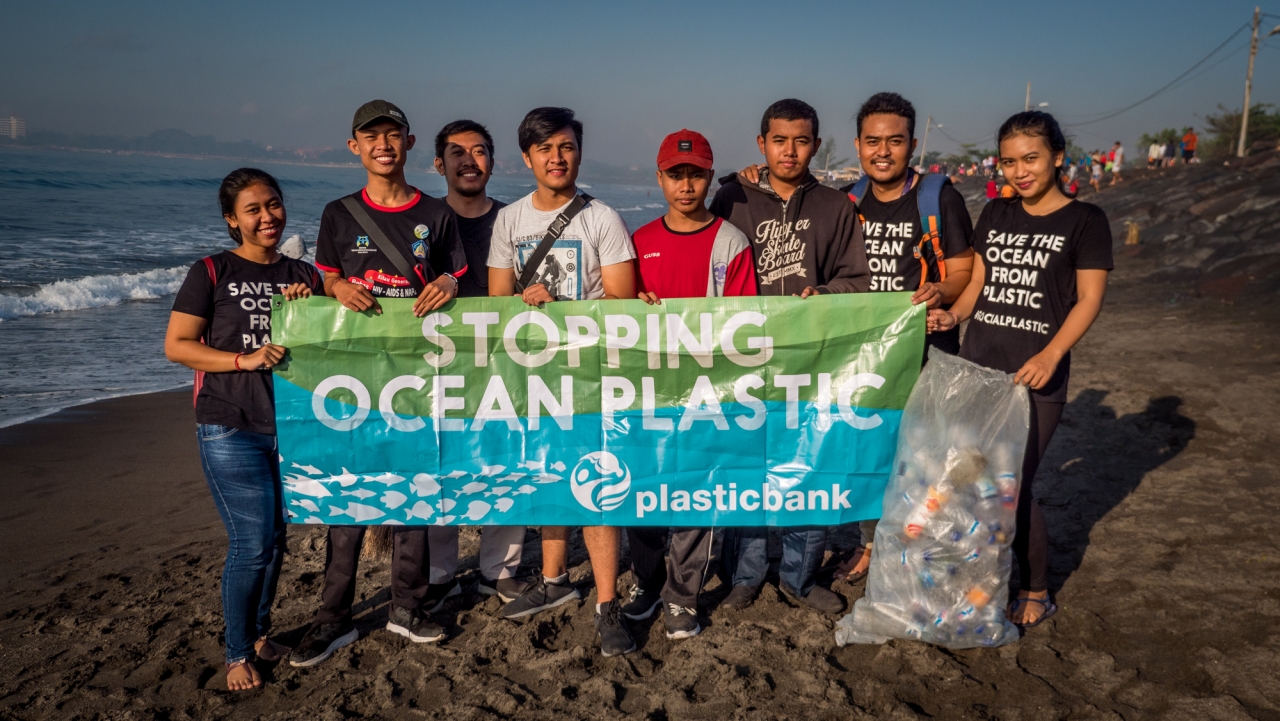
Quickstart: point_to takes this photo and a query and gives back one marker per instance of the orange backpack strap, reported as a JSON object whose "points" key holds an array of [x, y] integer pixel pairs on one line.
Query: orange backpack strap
{"points": [[928, 201]]}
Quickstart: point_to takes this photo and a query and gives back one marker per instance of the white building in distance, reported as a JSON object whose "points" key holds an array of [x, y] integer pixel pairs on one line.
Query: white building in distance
{"points": [[13, 127]]}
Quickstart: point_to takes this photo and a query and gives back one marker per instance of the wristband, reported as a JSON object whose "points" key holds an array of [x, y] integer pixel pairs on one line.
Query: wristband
{"points": [[237, 361], [955, 317]]}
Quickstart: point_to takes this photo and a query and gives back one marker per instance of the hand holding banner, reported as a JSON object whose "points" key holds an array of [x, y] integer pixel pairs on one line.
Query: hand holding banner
{"points": [[699, 412]]}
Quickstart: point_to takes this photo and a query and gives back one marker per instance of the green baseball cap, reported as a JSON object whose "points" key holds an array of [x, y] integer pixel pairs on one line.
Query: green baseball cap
{"points": [[377, 110]]}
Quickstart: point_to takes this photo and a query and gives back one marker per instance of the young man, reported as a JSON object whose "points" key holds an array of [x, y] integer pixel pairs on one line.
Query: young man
{"points": [[1189, 142], [593, 260], [892, 228], [357, 273], [688, 253], [1117, 161], [806, 240], [464, 156]]}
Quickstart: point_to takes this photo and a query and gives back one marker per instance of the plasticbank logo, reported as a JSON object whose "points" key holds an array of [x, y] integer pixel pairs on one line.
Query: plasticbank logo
{"points": [[600, 482]]}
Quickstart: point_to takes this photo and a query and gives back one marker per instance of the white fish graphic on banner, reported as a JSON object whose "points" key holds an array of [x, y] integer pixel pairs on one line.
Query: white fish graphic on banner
{"points": [[532, 465], [524, 490], [558, 466], [307, 486], [421, 509], [358, 512], [306, 503], [491, 470], [504, 504], [394, 499], [346, 479], [447, 504], [472, 487], [511, 477], [476, 510], [361, 493], [389, 479], [457, 474], [424, 484], [309, 470], [547, 478], [498, 491]]}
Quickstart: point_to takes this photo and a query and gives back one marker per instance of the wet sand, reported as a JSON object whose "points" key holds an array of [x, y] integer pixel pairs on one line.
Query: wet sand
{"points": [[1160, 489]]}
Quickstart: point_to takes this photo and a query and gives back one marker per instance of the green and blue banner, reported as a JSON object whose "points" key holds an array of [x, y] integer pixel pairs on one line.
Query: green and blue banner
{"points": [[701, 412]]}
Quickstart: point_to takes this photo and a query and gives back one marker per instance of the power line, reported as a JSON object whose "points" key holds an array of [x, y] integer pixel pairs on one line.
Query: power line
{"points": [[1168, 85]]}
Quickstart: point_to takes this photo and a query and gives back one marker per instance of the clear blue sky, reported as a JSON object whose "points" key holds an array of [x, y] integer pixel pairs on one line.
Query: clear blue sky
{"points": [[292, 74]]}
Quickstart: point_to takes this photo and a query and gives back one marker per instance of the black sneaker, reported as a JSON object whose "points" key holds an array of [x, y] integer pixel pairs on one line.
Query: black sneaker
{"points": [[508, 589], [819, 599], [539, 597], [612, 632], [320, 641], [438, 593], [640, 604], [681, 622], [414, 625], [741, 597]]}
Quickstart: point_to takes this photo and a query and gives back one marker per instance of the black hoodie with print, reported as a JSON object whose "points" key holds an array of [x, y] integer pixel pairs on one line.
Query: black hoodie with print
{"points": [[812, 239]]}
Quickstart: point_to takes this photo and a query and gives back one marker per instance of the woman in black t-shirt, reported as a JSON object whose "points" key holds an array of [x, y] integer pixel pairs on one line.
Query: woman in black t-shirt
{"points": [[1039, 276], [220, 327]]}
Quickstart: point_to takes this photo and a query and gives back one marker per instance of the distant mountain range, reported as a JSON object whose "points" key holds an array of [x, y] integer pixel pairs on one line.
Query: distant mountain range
{"points": [[178, 142]]}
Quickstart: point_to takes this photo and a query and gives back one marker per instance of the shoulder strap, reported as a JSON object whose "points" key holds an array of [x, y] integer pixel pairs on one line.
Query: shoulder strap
{"points": [[554, 232], [859, 189], [213, 280], [379, 238], [928, 201]]}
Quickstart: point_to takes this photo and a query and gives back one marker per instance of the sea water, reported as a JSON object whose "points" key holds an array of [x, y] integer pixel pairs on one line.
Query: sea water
{"points": [[93, 247]]}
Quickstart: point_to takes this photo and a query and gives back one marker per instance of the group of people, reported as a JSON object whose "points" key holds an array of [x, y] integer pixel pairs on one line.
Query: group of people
{"points": [[1168, 153], [1029, 278]]}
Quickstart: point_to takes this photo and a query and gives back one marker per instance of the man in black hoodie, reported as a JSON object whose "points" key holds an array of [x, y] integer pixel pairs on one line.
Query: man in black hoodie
{"points": [[807, 240]]}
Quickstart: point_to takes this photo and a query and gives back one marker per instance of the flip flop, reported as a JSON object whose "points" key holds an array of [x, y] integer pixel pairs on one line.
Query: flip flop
{"points": [[845, 570], [272, 652], [1049, 606]]}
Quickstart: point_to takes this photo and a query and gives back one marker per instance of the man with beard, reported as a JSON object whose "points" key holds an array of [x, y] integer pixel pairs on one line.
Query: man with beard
{"points": [[464, 156], [807, 240]]}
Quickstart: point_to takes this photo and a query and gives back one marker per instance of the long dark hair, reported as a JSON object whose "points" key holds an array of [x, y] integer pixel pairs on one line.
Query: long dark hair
{"points": [[232, 185], [1038, 124]]}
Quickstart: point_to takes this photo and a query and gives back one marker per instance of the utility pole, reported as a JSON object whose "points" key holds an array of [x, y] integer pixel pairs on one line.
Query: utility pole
{"points": [[925, 147], [1028, 105], [1248, 83]]}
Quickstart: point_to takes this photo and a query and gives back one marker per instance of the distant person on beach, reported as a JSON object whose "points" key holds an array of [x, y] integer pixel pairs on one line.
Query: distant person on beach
{"points": [[1170, 154], [596, 245], [807, 240], [993, 189], [1117, 162], [423, 232], [687, 253], [1155, 154], [1189, 142], [1095, 171], [1028, 303], [935, 271], [221, 327], [464, 156]]}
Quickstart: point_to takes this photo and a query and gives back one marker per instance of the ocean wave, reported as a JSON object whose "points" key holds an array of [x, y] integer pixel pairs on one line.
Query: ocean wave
{"points": [[655, 205], [626, 210], [92, 292]]}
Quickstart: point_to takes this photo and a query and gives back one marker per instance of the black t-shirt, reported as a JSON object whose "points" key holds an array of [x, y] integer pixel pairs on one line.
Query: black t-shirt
{"points": [[892, 232], [425, 229], [476, 233], [238, 310], [1030, 285]]}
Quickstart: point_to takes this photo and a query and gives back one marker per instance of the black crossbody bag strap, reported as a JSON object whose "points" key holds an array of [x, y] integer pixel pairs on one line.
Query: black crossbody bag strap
{"points": [[553, 234], [379, 238]]}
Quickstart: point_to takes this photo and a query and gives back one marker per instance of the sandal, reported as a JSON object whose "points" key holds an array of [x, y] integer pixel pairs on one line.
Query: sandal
{"points": [[1049, 606], [252, 673], [845, 569], [271, 652]]}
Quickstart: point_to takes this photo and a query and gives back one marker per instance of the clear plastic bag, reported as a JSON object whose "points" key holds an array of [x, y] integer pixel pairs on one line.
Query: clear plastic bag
{"points": [[941, 560]]}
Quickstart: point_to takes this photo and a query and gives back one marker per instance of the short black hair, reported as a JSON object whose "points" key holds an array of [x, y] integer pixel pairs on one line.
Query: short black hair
{"points": [[888, 104], [541, 123], [462, 126], [789, 109]]}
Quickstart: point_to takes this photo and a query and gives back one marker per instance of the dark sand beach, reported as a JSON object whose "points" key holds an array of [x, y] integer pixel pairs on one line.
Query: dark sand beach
{"points": [[1160, 490]]}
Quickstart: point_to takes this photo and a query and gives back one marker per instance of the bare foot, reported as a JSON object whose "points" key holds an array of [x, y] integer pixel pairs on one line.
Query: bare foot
{"points": [[269, 650], [1023, 614], [865, 561], [242, 676]]}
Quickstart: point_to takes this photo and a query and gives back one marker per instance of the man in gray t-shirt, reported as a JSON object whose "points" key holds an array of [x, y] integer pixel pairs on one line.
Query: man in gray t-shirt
{"points": [[591, 260]]}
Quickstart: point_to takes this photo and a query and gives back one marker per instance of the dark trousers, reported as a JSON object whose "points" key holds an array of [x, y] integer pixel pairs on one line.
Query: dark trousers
{"points": [[746, 560], [1031, 542], [677, 575], [342, 556]]}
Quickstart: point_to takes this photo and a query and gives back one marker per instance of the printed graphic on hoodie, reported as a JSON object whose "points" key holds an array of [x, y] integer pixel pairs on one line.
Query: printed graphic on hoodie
{"points": [[782, 252]]}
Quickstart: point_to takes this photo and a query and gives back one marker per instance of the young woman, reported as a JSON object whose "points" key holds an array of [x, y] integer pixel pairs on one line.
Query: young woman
{"points": [[1039, 275], [220, 327]]}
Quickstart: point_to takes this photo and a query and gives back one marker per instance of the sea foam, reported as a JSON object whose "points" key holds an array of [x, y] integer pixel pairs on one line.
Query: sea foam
{"points": [[92, 292]]}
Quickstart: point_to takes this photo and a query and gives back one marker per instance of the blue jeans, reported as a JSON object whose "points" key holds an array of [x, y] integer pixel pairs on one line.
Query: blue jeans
{"points": [[746, 559], [244, 478]]}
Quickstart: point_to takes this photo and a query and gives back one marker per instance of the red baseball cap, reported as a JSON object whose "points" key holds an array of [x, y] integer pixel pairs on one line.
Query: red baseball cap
{"points": [[683, 147]]}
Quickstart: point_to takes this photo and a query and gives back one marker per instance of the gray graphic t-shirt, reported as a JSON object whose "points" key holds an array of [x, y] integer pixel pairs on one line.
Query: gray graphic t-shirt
{"points": [[595, 237]]}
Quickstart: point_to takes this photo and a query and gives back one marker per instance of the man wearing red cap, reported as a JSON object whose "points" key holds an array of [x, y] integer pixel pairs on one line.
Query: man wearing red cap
{"points": [[687, 253]]}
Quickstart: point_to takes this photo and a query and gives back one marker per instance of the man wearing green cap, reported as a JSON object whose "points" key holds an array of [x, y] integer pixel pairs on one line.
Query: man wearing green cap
{"points": [[391, 241]]}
